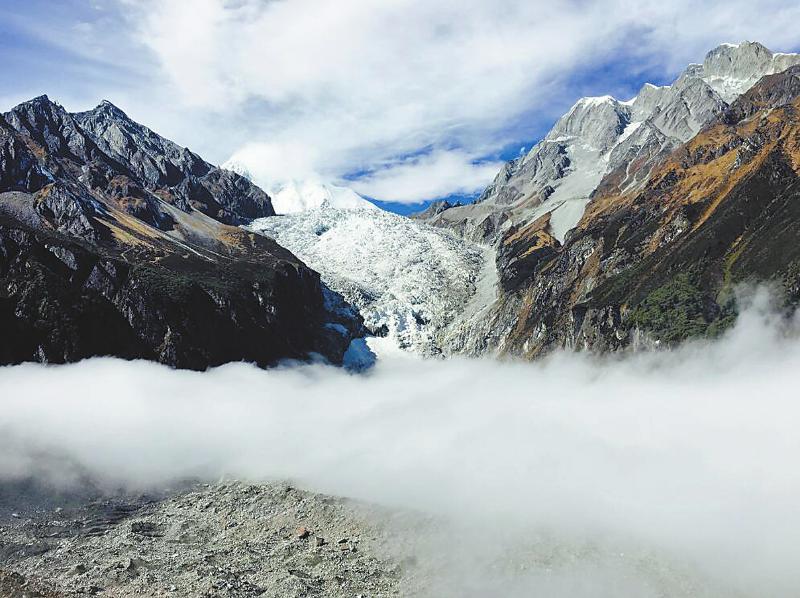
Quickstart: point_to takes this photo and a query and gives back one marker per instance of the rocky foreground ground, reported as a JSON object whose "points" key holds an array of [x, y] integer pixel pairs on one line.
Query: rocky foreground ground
{"points": [[227, 539], [232, 539]]}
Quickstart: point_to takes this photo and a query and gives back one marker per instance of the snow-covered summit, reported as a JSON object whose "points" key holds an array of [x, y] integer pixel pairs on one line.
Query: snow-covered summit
{"points": [[290, 197], [300, 196], [732, 69]]}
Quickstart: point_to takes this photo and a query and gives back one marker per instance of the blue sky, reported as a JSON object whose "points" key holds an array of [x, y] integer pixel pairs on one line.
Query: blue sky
{"points": [[404, 100]]}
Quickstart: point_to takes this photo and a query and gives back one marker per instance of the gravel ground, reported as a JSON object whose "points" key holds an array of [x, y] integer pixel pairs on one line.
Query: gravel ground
{"points": [[234, 539], [229, 539]]}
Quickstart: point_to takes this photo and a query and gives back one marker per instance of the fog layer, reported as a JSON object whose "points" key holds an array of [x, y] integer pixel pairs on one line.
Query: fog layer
{"points": [[690, 454]]}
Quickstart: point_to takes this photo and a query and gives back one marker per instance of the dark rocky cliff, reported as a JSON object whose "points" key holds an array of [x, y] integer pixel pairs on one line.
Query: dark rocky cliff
{"points": [[115, 241]]}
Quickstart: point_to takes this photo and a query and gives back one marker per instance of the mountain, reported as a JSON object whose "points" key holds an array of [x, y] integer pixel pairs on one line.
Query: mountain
{"points": [[300, 195], [116, 241], [414, 283], [601, 137], [672, 198], [660, 261]]}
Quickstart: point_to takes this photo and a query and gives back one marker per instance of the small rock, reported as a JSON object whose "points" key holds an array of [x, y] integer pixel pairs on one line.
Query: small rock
{"points": [[129, 564], [319, 541], [303, 532], [15, 515], [78, 569]]}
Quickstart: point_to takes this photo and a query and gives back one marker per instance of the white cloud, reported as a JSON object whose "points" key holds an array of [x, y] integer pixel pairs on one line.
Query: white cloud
{"points": [[349, 86], [358, 83], [429, 176], [650, 463]]}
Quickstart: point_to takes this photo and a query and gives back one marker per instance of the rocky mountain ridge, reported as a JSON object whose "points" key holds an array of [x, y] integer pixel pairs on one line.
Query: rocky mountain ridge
{"points": [[115, 241], [697, 198], [602, 135]]}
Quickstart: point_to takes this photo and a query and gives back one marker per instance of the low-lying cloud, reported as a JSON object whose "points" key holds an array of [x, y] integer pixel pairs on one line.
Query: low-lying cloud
{"points": [[690, 455]]}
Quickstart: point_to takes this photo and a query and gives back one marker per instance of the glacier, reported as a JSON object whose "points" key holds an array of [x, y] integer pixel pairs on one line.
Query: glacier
{"points": [[416, 284]]}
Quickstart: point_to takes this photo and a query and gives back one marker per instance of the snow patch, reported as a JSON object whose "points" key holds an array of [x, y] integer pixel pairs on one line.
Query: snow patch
{"points": [[629, 130], [597, 100]]}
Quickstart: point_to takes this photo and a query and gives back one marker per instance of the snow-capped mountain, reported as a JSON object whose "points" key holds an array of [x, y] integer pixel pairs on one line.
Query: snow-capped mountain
{"points": [[603, 135], [732, 69], [412, 281], [632, 222], [290, 197], [300, 196]]}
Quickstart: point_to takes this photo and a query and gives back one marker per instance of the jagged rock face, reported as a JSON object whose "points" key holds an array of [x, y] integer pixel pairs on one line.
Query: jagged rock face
{"points": [[630, 222], [603, 141], [19, 168], [53, 129], [659, 263], [733, 69], [159, 163], [61, 303], [598, 122], [773, 91], [435, 207], [155, 160], [115, 241]]}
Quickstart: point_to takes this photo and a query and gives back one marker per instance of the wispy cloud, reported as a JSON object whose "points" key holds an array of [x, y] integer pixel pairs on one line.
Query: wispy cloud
{"points": [[439, 173], [360, 83]]}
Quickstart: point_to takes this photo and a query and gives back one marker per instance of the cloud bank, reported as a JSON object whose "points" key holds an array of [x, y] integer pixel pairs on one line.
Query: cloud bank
{"points": [[326, 90], [359, 86], [688, 455]]}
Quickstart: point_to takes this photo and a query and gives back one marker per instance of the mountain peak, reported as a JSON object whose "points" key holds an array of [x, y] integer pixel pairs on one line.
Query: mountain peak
{"points": [[42, 102], [39, 99], [732, 69], [752, 54], [106, 107]]}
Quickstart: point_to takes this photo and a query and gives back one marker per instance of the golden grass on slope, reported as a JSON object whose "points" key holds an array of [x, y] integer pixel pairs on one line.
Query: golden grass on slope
{"points": [[134, 225], [792, 141], [124, 237], [707, 178], [36, 149], [540, 239], [529, 230], [722, 179]]}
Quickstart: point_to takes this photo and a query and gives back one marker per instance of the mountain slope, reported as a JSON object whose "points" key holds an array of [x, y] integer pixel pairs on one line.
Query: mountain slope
{"points": [[115, 241], [660, 263], [603, 136]]}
